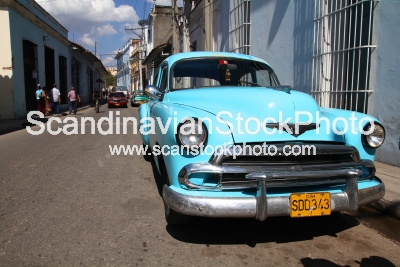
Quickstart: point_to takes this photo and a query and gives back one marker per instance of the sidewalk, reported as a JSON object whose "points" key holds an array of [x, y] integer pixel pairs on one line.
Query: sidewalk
{"points": [[8, 126], [390, 175]]}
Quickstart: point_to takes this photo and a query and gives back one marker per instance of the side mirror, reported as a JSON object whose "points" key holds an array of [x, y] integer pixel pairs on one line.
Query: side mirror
{"points": [[153, 91]]}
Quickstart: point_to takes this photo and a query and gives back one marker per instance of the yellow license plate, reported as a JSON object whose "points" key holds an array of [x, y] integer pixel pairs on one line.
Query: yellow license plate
{"points": [[310, 204], [117, 104]]}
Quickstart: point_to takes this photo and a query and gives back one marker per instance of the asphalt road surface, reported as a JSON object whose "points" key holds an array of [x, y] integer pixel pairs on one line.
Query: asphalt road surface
{"points": [[66, 201]]}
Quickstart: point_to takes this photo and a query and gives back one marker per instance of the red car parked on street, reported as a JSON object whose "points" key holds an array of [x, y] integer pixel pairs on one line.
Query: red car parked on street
{"points": [[117, 99]]}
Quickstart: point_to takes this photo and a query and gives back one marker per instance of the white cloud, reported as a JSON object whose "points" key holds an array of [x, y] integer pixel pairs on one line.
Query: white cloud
{"points": [[106, 30], [81, 15], [87, 40], [109, 61]]}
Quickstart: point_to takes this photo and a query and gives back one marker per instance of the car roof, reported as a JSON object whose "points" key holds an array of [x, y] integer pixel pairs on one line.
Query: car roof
{"points": [[201, 54]]}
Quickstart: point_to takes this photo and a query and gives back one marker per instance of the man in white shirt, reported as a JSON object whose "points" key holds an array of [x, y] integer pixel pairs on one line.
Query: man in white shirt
{"points": [[56, 97]]}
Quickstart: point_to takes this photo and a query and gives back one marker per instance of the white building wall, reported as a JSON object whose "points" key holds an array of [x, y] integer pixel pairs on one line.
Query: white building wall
{"points": [[6, 71], [22, 29]]}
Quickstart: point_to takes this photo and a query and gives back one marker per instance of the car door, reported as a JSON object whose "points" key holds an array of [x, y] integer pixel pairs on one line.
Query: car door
{"points": [[161, 83]]}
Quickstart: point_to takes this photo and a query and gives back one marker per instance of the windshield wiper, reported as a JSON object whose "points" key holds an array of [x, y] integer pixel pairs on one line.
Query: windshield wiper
{"points": [[284, 88], [251, 83]]}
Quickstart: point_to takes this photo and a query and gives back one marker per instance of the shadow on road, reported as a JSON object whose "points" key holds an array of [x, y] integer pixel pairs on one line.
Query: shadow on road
{"points": [[157, 177], [365, 262], [252, 232]]}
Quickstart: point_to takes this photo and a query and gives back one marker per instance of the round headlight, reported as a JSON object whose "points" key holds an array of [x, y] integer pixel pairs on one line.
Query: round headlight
{"points": [[376, 137], [192, 134]]}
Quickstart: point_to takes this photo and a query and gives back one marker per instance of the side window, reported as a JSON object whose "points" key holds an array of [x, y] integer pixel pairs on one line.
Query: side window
{"points": [[164, 79], [155, 78]]}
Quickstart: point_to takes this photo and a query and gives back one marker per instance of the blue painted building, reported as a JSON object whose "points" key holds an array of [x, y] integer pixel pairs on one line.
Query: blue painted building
{"points": [[124, 71]]}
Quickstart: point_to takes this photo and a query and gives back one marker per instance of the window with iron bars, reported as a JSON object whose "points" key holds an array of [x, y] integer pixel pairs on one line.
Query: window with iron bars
{"points": [[239, 26], [342, 53]]}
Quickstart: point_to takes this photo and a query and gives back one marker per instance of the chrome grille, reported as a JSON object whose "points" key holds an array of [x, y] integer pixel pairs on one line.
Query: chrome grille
{"points": [[326, 157], [228, 167]]}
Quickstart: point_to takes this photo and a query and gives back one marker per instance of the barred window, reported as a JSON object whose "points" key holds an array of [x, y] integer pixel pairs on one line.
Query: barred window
{"points": [[342, 53], [239, 26]]}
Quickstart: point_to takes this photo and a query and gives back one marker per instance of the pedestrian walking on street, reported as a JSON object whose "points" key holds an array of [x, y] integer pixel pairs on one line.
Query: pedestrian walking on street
{"points": [[56, 98], [40, 99], [96, 96], [47, 101], [73, 100]]}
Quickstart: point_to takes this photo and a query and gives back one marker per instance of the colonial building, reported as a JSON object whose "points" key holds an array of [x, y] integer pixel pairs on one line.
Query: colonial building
{"points": [[35, 49], [124, 71], [112, 70], [159, 40]]}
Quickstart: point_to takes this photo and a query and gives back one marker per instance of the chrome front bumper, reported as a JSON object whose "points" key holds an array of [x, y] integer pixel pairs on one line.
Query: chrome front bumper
{"points": [[261, 206], [264, 177]]}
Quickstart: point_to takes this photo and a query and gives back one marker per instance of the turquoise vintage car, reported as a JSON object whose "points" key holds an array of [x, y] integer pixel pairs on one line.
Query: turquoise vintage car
{"points": [[230, 141], [138, 97]]}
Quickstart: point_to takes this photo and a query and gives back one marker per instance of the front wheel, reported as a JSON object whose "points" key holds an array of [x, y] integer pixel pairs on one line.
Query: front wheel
{"points": [[172, 217]]}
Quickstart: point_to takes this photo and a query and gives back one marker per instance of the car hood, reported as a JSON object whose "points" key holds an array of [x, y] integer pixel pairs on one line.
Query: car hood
{"points": [[236, 105]]}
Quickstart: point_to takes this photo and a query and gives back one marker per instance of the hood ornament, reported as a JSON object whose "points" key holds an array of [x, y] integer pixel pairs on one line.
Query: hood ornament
{"points": [[294, 129]]}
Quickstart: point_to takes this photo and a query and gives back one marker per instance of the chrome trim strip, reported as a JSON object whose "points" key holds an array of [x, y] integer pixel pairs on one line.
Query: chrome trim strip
{"points": [[246, 207], [282, 175]]}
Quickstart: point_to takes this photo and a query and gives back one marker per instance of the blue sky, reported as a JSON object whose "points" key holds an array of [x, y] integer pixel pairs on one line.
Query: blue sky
{"points": [[100, 24]]}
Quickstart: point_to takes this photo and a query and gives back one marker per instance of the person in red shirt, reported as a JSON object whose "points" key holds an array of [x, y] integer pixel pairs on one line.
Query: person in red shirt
{"points": [[73, 99]]}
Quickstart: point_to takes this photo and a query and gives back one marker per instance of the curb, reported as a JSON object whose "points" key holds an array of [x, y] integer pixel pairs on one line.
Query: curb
{"points": [[387, 207], [21, 126], [11, 129]]}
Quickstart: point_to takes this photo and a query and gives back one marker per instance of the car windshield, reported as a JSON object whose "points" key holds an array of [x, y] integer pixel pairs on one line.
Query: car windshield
{"points": [[195, 73], [117, 95]]}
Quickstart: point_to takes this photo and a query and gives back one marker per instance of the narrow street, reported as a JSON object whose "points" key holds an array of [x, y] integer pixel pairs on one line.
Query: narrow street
{"points": [[66, 201]]}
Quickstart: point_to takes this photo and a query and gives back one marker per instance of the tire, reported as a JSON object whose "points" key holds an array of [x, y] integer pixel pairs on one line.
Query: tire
{"points": [[172, 217], [131, 104], [146, 156], [109, 106]]}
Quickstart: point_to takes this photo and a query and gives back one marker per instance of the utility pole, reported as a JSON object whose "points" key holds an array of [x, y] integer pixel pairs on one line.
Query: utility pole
{"points": [[208, 46], [187, 7], [142, 43], [175, 28]]}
